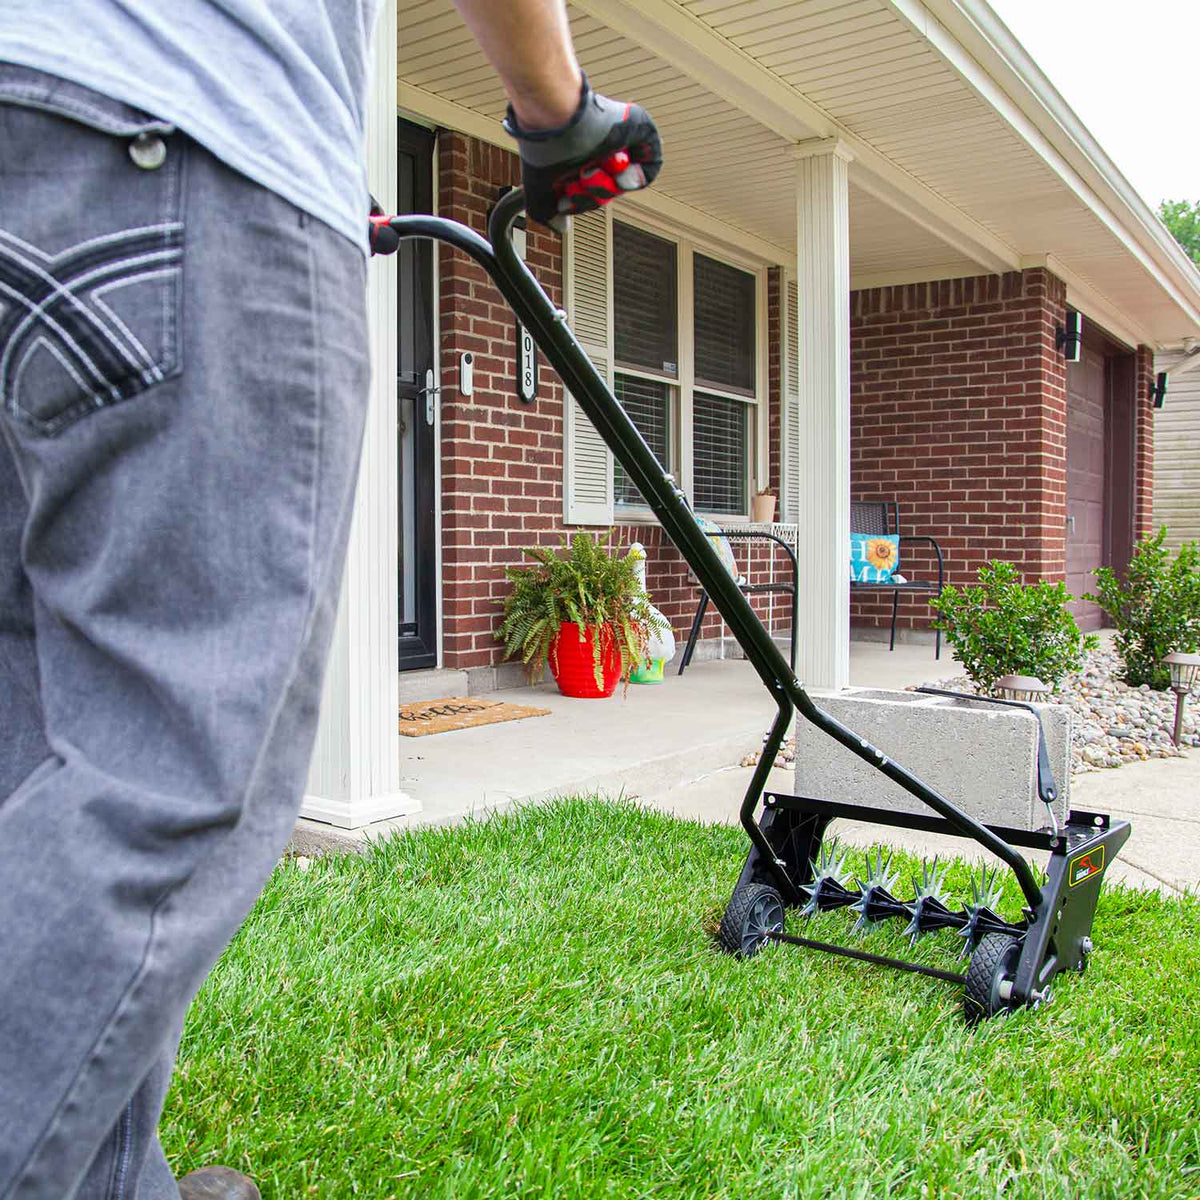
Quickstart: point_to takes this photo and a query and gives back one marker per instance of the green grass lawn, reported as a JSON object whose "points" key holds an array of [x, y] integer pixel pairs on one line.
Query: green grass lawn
{"points": [[533, 1006]]}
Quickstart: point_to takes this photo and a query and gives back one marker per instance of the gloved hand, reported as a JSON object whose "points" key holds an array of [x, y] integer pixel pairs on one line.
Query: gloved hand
{"points": [[384, 239], [608, 147]]}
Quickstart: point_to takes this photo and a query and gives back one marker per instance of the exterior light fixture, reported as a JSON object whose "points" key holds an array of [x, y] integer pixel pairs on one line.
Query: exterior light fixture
{"points": [[1069, 339], [1185, 670], [1026, 688], [1158, 390]]}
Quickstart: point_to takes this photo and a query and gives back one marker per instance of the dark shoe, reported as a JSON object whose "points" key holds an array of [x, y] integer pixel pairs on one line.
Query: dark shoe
{"points": [[217, 1183]]}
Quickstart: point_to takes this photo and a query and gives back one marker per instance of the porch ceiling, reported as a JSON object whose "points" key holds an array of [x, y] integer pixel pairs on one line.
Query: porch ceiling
{"points": [[945, 182]]}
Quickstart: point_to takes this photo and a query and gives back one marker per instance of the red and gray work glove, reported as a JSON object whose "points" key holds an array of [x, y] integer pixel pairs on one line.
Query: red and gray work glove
{"points": [[608, 147], [384, 239]]}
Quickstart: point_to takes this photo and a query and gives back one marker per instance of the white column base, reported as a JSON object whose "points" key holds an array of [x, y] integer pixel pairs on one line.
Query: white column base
{"points": [[354, 814]]}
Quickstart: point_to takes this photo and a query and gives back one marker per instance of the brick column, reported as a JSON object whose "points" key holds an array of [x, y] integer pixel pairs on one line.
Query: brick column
{"points": [[501, 459], [959, 412]]}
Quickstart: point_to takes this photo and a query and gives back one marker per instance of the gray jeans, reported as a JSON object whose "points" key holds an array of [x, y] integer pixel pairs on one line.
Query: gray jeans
{"points": [[183, 381]]}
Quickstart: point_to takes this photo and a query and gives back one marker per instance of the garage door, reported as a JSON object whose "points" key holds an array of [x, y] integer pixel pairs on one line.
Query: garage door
{"points": [[1086, 395]]}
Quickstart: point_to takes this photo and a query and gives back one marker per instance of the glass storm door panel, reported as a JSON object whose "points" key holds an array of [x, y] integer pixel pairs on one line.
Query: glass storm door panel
{"points": [[416, 408]]}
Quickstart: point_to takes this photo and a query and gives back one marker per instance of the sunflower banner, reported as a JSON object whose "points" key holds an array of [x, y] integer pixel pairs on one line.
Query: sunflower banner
{"points": [[874, 558]]}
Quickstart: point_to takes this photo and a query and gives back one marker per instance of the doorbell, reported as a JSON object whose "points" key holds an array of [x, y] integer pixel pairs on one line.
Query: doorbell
{"points": [[466, 373]]}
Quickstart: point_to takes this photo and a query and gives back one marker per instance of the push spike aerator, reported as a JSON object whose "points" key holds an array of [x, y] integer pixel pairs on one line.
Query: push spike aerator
{"points": [[1011, 964]]}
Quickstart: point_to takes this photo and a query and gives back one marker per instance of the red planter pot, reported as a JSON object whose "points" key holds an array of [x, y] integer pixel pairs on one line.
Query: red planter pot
{"points": [[571, 663]]}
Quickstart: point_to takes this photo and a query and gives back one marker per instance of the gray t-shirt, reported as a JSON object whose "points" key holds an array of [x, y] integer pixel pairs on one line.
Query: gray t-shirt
{"points": [[276, 89]]}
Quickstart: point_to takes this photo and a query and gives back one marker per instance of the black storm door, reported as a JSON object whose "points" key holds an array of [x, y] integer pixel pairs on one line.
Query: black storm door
{"points": [[416, 409]]}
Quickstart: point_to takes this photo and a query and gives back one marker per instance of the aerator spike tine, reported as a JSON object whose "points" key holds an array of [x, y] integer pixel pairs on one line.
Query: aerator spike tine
{"points": [[929, 914], [879, 873], [930, 883], [985, 890], [875, 901], [829, 861]]}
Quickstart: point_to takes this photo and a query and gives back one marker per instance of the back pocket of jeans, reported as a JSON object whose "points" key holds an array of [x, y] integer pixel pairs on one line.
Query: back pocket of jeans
{"points": [[91, 262]]}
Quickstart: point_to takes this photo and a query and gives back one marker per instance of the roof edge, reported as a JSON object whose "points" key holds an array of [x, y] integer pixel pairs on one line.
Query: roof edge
{"points": [[979, 30]]}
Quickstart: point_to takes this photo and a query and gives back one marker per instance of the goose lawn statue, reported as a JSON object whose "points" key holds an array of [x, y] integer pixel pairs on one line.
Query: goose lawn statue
{"points": [[661, 648]]}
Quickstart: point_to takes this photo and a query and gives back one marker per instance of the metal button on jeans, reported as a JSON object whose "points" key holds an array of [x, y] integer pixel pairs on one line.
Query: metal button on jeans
{"points": [[148, 151]]}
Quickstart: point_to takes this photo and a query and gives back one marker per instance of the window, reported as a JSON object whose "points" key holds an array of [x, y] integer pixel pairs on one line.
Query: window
{"points": [[645, 342], [645, 307], [725, 320], [719, 434], [672, 303], [648, 404]]}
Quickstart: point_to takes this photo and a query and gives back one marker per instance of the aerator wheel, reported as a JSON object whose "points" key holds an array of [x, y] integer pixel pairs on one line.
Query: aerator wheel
{"points": [[990, 977], [755, 909]]}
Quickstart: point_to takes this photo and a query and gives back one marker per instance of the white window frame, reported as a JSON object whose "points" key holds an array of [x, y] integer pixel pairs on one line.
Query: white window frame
{"points": [[683, 385]]}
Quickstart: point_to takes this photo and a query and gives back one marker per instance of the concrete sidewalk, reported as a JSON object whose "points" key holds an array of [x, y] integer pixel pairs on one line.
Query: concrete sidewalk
{"points": [[1160, 798]]}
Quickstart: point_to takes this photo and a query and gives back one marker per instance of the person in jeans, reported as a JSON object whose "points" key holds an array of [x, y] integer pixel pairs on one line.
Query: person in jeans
{"points": [[183, 378]]}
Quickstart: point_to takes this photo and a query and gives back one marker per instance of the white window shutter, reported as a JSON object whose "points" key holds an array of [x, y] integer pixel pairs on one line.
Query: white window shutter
{"points": [[790, 404], [587, 460]]}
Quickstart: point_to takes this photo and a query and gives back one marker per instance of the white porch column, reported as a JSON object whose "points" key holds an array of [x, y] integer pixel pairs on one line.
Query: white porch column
{"points": [[823, 277], [355, 774]]}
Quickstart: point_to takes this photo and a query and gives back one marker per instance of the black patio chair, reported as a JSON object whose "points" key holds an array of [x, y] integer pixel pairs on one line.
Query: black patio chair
{"points": [[881, 518], [747, 589]]}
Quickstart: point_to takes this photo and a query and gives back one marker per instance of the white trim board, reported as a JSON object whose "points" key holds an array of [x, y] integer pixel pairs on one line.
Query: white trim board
{"points": [[431, 108]]}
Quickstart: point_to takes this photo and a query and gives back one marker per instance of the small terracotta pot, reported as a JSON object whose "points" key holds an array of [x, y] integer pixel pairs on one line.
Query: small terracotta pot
{"points": [[762, 509], [571, 663]]}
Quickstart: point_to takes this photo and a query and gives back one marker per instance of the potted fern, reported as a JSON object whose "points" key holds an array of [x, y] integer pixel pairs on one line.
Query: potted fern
{"points": [[582, 610]]}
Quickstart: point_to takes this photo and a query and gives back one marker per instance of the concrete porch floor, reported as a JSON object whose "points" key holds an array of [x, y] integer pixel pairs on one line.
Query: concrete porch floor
{"points": [[678, 746], [653, 741]]}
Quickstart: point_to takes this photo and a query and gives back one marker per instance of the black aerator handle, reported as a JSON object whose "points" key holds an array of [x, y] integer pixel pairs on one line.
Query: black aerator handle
{"points": [[550, 331]]}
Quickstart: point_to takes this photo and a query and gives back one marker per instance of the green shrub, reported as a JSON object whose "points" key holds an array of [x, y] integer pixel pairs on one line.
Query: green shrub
{"points": [[1155, 608], [586, 585], [1003, 626]]}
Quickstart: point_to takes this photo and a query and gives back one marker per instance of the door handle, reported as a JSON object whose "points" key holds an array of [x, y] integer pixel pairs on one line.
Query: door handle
{"points": [[431, 391], [1070, 525]]}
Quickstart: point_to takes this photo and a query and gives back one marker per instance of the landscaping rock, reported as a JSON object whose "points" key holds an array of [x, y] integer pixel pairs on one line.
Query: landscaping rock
{"points": [[1114, 723]]}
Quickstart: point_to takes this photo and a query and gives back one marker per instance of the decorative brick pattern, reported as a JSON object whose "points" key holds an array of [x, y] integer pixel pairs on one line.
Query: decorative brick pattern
{"points": [[958, 410], [1143, 489]]}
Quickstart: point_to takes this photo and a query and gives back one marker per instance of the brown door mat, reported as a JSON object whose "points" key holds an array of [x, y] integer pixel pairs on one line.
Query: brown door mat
{"points": [[460, 712]]}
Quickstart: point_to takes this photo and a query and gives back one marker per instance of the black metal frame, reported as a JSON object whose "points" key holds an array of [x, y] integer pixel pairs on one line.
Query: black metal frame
{"points": [[913, 585], [1047, 913], [1054, 934], [757, 589]]}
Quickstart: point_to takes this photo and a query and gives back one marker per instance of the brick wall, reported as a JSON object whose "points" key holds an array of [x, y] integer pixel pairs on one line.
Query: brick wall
{"points": [[958, 411], [502, 461]]}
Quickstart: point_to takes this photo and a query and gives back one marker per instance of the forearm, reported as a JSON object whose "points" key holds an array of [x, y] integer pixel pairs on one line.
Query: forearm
{"points": [[529, 44]]}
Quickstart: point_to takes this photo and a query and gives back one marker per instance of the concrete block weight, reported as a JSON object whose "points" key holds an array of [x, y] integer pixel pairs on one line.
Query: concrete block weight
{"points": [[982, 757]]}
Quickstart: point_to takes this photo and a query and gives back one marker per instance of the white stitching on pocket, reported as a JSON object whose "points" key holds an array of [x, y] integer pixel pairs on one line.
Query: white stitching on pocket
{"points": [[88, 311], [62, 333], [62, 358], [70, 292]]}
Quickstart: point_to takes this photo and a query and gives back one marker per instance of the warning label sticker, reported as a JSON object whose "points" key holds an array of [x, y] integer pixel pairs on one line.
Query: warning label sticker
{"points": [[1085, 866]]}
